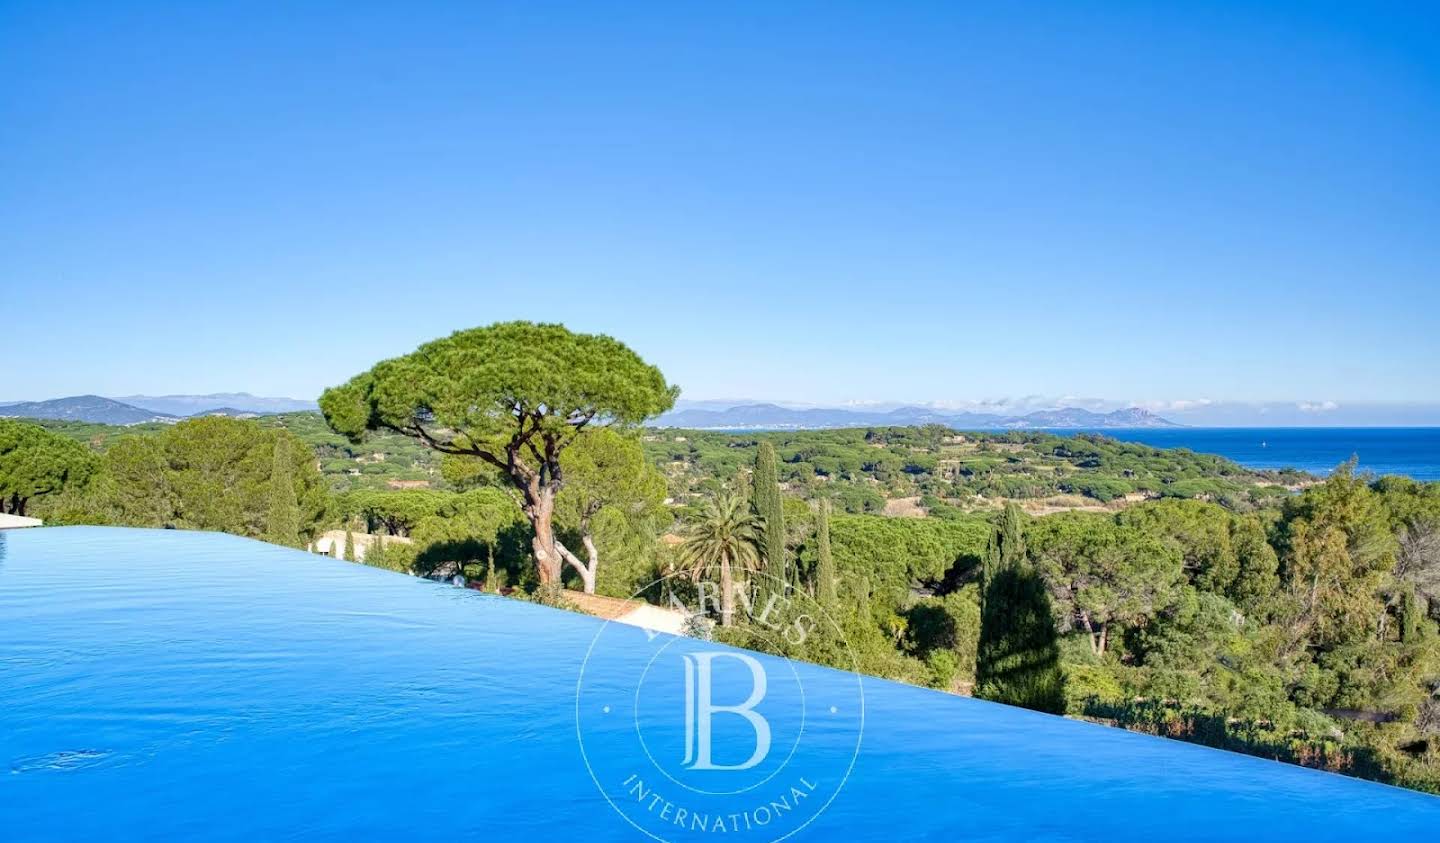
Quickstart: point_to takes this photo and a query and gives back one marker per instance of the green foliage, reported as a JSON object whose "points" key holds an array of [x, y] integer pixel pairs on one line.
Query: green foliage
{"points": [[1337, 545], [944, 633], [394, 513], [282, 521], [860, 468], [1018, 654], [1257, 579], [35, 462], [613, 502], [514, 395], [475, 534], [384, 457], [893, 554], [768, 508], [349, 546], [826, 575], [1011, 541], [1313, 742], [1103, 574], [213, 473], [722, 544], [1222, 552], [483, 384]]}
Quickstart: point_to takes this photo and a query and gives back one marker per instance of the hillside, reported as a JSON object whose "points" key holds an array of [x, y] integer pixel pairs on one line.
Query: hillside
{"points": [[140, 409], [84, 408], [234, 403], [927, 471], [933, 470], [759, 416]]}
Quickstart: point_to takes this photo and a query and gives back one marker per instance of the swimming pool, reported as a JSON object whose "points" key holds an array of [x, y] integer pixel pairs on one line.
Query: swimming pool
{"points": [[167, 685]]}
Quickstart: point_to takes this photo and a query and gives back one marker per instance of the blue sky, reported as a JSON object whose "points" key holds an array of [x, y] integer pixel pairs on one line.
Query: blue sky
{"points": [[806, 202]]}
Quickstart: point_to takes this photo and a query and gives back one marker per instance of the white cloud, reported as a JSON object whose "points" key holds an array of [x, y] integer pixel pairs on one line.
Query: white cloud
{"points": [[1317, 406], [1177, 405]]}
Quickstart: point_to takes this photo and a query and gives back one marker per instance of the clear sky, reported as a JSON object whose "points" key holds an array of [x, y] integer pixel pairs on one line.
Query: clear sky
{"points": [[809, 202]]}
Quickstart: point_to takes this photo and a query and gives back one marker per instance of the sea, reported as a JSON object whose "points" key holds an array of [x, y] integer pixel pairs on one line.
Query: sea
{"points": [[1410, 451]]}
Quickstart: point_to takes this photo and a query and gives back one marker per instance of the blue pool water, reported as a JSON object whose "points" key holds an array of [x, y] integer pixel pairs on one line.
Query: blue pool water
{"points": [[170, 685]]}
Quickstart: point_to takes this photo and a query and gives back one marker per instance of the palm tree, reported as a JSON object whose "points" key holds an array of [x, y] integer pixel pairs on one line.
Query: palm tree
{"points": [[721, 540]]}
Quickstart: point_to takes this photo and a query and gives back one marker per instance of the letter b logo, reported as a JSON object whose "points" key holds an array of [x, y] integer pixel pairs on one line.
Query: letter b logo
{"points": [[700, 709]]}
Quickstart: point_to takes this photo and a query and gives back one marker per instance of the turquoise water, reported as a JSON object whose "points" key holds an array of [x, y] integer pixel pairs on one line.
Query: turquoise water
{"points": [[1411, 451], [169, 685]]}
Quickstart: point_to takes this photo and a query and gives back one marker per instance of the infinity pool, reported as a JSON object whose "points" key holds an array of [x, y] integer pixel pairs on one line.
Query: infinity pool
{"points": [[171, 685]]}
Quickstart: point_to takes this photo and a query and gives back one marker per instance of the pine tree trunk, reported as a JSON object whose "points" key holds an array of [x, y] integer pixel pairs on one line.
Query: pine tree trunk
{"points": [[547, 556], [592, 555], [540, 510]]}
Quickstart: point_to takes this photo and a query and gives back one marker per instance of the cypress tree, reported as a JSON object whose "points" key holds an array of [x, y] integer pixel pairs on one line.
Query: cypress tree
{"points": [[349, 546], [1012, 537], [282, 521], [825, 573], [1018, 659], [768, 506], [990, 564]]}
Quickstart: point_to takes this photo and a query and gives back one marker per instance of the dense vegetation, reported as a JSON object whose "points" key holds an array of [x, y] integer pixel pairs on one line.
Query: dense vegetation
{"points": [[1165, 591], [946, 472], [210, 473], [35, 462], [346, 465]]}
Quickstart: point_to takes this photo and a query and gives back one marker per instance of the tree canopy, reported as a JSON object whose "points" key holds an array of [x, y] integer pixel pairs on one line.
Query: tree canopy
{"points": [[36, 462], [514, 395], [610, 490], [216, 473]]}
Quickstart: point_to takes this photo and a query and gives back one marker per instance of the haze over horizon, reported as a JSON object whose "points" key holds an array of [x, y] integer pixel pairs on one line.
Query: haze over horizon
{"points": [[1195, 413]]}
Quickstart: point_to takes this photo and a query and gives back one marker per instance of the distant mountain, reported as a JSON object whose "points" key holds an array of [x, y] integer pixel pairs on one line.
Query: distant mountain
{"points": [[138, 409], [775, 417], [86, 408], [710, 415], [232, 402], [1073, 417], [232, 412]]}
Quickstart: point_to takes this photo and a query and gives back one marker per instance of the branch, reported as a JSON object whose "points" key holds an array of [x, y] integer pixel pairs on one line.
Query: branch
{"points": [[535, 452], [577, 426], [418, 431], [573, 559], [493, 460]]}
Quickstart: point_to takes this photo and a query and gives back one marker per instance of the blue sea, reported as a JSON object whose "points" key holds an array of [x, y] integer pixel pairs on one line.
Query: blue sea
{"points": [[1411, 451], [167, 685]]}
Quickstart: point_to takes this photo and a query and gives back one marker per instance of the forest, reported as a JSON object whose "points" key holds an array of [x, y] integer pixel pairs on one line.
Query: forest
{"points": [[1180, 594]]}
